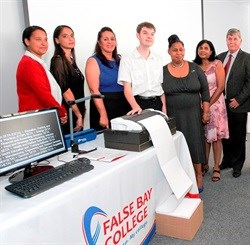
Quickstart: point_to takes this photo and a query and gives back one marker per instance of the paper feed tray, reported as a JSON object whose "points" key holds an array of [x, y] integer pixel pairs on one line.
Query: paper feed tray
{"points": [[127, 133]]}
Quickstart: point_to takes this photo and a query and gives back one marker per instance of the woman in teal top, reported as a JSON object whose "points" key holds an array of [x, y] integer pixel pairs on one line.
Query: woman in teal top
{"points": [[101, 74]]}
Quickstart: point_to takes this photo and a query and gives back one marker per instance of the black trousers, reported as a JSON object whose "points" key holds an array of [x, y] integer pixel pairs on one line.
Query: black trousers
{"points": [[234, 148], [151, 103]]}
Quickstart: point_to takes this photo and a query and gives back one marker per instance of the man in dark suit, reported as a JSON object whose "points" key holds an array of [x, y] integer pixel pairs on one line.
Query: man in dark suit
{"points": [[237, 96]]}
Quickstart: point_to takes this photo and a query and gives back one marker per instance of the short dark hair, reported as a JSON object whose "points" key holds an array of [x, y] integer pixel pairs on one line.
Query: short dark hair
{"points": [[174, 39], [145, 24], [28, 32]]}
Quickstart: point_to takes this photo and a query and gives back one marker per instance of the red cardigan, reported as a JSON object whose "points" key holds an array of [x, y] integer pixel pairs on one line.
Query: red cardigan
{"points": [[33, 87]]}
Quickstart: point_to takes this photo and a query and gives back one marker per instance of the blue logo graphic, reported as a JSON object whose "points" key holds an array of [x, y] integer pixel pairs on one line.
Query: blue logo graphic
{"points": [[87, 220]]}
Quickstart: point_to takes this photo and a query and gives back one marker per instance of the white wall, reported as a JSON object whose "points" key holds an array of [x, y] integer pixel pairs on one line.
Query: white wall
{"points": [[222, 15], [169, 17], [89, 16], [12, 25]]}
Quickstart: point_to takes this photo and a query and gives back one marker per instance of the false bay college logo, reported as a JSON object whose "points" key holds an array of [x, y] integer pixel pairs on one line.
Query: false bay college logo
{"points": [[119, 228], [91, 239]]}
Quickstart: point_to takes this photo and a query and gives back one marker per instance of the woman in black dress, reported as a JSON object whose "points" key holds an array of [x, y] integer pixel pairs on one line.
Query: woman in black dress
{"points": [[66, 72], [187, 96]]}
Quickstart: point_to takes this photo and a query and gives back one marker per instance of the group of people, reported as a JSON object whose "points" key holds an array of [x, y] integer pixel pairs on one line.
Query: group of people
{"points": [[209, 104]]}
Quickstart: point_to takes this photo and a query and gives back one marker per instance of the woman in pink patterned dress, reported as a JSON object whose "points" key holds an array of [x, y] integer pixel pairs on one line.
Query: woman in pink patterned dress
{"points": [[217, 128]]}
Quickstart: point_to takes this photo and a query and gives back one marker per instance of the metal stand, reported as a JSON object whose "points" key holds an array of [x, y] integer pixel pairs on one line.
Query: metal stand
{"points": [[73, 144]]}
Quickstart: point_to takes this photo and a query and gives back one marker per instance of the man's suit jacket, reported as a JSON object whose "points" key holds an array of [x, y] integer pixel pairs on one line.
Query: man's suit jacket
{"points": [[238, 83]]}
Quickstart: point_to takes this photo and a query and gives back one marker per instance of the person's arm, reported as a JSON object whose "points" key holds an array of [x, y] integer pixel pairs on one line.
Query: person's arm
{"points": [[62, 75], [92, 73], [36, 78], [206, 112], [125, 79], [244, 93], [164, 105], [68, 95], [205, 95], [131, 99], [220, 81]]}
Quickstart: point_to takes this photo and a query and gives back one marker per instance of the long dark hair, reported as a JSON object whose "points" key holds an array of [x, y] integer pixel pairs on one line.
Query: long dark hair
{"points": [[58, 49], [197, 59], [98, 50]]}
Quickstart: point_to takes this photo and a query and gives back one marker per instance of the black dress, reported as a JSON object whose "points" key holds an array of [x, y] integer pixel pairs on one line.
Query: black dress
{"points": [[184, 97], [69, 76]]}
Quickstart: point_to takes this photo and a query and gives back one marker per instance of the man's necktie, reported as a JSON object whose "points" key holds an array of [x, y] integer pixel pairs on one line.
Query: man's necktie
{"points": [[228, 64]]}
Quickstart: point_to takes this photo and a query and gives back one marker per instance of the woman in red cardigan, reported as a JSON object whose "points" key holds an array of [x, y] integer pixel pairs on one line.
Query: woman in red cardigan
{"points": [[36, 87]]}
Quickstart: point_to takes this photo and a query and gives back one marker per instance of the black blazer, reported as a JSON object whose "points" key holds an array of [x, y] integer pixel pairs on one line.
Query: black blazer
{"points": [[238, 83]]}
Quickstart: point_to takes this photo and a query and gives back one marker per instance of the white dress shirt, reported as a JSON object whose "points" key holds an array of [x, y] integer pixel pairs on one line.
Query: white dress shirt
{"points": [[145, 75]]}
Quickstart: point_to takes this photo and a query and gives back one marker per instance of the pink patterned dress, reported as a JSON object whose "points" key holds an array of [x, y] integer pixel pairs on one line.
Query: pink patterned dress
{"points": [[217, 128]]}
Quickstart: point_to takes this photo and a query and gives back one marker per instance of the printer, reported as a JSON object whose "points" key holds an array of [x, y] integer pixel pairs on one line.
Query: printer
{"points": [[127, 133]]}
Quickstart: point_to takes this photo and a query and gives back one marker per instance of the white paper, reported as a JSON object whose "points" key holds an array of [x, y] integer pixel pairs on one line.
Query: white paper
{"points": [[162, 139], [104, 155]]}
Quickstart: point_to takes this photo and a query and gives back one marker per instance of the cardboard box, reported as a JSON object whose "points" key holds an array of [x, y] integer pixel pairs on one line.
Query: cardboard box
{"points": [[183, 222]]}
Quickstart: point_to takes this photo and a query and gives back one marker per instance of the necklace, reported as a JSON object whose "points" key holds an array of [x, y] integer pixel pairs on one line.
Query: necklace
{"points": [[179, 66]]}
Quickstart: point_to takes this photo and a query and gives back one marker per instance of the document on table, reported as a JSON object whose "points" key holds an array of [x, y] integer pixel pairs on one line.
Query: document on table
{"points": [[104, 154]]}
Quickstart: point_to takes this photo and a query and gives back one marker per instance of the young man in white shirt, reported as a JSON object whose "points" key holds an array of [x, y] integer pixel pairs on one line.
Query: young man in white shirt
{"points": [[141, 74]]}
